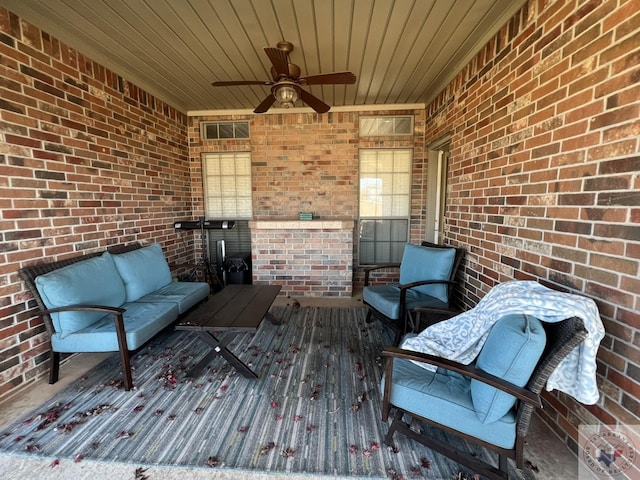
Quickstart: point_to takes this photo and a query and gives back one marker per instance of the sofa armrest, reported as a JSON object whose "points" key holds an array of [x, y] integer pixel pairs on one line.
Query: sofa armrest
{"points": [[81, 308], [468, 371], [116, 311]]}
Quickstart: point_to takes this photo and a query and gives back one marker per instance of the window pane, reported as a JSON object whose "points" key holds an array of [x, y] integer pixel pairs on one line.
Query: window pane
{"points": [[384, 182], [382, 241], [383, 231], [223, 130], [226, 130], [228, 192], [367, 126], [385, 204], [386, 125], [403, 125], [241, 129], [211, 130]]}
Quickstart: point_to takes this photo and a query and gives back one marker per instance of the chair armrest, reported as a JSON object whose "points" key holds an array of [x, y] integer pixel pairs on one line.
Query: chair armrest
{"points": [[81, 308], [465, 370], [406, 286], [368, 270], [115, 311], [433, 315], [439, 310]]}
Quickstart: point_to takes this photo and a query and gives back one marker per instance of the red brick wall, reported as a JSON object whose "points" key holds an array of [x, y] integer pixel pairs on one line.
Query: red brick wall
{"points": [[87, 160], [307, 258], [309, 162], [543, 179]]}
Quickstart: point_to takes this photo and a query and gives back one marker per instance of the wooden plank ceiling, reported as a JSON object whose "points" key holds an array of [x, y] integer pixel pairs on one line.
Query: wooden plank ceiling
{"points": [[402, 51]]}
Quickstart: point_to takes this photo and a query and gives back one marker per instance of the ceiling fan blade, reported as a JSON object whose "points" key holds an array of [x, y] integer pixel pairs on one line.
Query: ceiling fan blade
{"points": [[233, 83], [279, 59], [329, 78], [314, 102], [266, 104]]}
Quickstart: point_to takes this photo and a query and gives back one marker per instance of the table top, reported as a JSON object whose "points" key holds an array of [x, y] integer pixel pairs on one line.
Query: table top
{"points": [[235, 307]]}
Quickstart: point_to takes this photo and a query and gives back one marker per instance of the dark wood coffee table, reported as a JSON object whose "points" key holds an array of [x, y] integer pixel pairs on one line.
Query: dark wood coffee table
{"points": [[235, 309]]}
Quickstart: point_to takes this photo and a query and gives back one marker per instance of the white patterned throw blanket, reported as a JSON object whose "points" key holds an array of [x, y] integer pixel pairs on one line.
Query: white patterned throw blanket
{"points": [[461, 338]]}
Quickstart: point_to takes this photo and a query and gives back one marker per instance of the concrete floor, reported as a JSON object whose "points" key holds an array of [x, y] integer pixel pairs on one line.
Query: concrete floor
{"points": [[553, 459]]}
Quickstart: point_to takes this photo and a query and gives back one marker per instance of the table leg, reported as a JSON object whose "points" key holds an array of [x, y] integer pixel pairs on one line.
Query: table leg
{"points": [[219, 349], [272, 318]]}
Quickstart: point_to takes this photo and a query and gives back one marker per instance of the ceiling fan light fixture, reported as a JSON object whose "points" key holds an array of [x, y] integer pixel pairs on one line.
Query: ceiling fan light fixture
{"points": [[286, 95]]}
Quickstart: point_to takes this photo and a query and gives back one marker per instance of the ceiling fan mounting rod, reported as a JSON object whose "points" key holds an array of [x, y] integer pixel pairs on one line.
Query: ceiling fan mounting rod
{"points": [[286, 46]]}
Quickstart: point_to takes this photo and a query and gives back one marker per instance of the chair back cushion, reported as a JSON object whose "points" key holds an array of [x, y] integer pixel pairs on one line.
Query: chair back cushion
{"points": [[512, 351], [90, 282], [143, 271], [426, 263]]}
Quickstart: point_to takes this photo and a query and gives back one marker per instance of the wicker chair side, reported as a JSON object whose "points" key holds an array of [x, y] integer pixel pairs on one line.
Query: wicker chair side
{"points": [[562, 338]]}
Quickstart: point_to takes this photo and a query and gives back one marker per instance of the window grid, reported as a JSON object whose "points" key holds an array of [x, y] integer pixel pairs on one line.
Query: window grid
{"points": [[385, 189], [228, 185], [386, 125], [224, 130]]}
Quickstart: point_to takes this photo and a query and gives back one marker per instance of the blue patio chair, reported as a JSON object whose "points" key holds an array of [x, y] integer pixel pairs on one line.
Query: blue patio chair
{"points": [[488, 403], [426, 280]]}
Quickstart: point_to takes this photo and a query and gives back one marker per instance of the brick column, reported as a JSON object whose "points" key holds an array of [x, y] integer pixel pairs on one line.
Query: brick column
{"points": [[308, 258]]}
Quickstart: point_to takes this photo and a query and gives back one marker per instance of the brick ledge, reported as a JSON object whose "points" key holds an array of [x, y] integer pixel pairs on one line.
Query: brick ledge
{"points": [[301, 225]]}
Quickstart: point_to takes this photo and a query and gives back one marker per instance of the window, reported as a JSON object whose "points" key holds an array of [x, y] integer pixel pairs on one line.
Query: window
{"points": [[227, 186], [227, 190], [385, 192], [387, 125], [224, 130]]}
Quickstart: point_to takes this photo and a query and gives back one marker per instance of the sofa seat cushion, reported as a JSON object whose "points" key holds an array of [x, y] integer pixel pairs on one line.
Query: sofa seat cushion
{"points": [[386, 299], [445, 397], [143, 271], [184, 294], [512, 350], [427, 263], [94, 281], [141, 322]]}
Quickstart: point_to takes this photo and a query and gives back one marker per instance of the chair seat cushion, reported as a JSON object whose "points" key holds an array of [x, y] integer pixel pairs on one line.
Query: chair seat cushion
{"points": [[445, 398], [512, 350], [184, 294], [143, 271], [386, 299], [141, 322], [94, 281]]}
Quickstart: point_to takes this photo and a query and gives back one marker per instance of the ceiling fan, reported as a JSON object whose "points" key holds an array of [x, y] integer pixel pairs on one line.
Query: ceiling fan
{"points": [[287, 82]]}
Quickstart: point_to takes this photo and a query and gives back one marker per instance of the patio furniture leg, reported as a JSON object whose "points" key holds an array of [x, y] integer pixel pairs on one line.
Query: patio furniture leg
{"points": [[219, 349], [54, 366]]}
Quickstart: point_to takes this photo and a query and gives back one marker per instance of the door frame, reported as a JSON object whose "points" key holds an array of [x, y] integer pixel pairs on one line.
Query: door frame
{"points": [[437, 165]]}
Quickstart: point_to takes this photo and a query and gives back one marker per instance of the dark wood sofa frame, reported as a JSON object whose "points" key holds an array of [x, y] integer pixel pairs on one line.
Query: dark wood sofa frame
{"points": [[29, 274]]}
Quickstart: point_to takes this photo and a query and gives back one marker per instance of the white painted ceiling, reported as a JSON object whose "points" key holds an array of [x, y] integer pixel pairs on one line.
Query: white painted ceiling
{"points": [[402, 51]]}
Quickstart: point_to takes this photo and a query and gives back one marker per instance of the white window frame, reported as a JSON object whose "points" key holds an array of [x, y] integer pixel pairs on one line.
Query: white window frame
{"points": [[227, 185], [384, 201], [234, 126], [386, 125]]}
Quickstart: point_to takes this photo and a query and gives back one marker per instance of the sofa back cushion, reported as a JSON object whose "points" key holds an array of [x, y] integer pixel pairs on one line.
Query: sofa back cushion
{"points": [[426, 263], [143, 271], [90, 282], [512, 351]]}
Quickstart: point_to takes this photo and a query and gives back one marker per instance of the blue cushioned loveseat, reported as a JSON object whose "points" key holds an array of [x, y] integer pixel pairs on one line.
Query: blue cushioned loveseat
{"points": [[111, 301]]}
